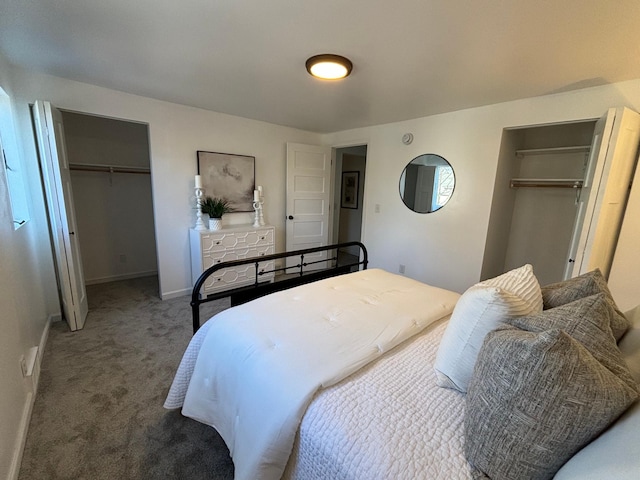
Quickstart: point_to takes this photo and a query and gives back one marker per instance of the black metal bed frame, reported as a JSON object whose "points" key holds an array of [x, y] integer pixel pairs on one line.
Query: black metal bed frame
{"points": [[246, 293]]}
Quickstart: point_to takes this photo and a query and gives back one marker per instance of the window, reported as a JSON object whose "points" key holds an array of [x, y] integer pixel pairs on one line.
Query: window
{"points": [[10, 160], [444, 183]]}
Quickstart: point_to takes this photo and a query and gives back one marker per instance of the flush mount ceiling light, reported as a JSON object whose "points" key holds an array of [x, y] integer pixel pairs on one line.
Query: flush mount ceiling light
{"points": [[329, 66]]}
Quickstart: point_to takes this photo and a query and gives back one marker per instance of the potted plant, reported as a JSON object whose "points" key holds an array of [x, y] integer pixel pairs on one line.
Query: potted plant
{"points": [[215, 207]]}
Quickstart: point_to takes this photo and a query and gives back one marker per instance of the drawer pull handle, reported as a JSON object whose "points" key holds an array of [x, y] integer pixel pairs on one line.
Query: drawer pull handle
{"points": [[217, 243], [262, 254]]}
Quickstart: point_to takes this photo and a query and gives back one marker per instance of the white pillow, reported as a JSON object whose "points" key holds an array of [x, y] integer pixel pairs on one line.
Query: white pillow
{"points": [[630, 344], [521, 282], [481, 309]]}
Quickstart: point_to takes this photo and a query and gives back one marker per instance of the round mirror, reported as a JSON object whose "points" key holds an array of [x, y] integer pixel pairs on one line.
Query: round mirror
{"points": [[427, 183]]}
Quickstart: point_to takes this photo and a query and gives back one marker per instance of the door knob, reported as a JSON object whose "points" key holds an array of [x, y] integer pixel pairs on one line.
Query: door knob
{"points": [[290, 217]]}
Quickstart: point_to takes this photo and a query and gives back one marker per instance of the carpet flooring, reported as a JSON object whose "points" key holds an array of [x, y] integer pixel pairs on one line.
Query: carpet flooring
{"points": [[98, 411]]}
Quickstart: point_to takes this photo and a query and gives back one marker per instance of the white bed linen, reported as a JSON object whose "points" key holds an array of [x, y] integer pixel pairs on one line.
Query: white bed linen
{"points": [[389, 420], [261, 363]]}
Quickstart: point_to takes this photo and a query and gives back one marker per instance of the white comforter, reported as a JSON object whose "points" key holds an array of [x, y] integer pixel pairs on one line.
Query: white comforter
{"points": [[261, 363]]}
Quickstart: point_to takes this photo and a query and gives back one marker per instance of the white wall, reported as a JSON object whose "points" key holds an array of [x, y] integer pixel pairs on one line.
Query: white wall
{"points": [[502, 205], [446, 247], [28, 298], [15, 391], [176, 133], [114, 225]]}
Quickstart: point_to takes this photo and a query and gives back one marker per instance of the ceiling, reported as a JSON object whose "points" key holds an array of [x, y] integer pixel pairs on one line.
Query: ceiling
{"points": [[412, 58]]}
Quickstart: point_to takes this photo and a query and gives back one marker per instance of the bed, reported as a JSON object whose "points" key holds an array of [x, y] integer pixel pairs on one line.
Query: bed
{"points": [[362, 392]]}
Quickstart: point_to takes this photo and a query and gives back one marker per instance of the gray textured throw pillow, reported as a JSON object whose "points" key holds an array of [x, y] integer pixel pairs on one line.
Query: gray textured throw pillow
{"points": [[535, 399], [587, 284], [588, 321]]}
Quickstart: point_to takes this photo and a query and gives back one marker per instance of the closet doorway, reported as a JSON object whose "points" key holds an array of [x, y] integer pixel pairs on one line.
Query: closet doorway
{"points": [[109, 161], [351, 163], [560, 196]]}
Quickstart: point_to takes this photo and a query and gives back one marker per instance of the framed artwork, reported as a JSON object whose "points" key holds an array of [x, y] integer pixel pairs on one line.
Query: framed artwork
{"points": [[350, 185], [229, 176]]}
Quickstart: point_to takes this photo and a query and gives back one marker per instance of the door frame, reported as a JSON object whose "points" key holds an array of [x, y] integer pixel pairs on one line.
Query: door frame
{"points": [[607, 200], [335, 178], [151, 175], [336, 184]]}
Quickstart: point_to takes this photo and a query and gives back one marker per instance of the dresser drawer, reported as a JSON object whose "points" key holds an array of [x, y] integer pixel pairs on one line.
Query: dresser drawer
{"points": [[215, 257], [221, 241], [243, 275], [209, 248]]}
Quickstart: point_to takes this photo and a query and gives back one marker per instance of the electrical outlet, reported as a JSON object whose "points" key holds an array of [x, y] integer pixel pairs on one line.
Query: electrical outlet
{"points": [[23, 366], [377, 208], [29, 361], [401, 268]]}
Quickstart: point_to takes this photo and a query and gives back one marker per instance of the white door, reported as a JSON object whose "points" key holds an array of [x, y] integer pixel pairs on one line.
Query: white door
{"points": [[308, 200], [57, 182], [424, 188], [604, 195], [597, 157], [624, 278]]}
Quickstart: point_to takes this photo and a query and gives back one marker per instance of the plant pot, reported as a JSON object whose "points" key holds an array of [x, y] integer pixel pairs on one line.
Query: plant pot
{"points": [[215, 223]]}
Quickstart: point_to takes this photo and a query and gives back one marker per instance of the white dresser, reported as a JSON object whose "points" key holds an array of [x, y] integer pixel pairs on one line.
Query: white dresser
{"points": [[210, 247]]}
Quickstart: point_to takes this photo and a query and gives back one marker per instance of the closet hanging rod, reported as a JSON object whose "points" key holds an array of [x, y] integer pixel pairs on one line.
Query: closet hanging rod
{"points": [[544, 151], [89, 167], [546, 183]]}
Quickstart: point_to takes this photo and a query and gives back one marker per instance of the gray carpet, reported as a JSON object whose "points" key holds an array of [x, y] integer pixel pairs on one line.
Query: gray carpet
{"points": [[98, 412]]}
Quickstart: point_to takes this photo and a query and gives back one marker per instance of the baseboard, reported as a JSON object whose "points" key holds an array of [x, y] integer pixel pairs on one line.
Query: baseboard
{"points": [[16, 461], [176, 294], [14, 471], [43, 343], [115, 278]]}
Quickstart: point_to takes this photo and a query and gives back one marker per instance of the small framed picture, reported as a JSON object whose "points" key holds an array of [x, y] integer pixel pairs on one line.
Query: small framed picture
{"points": [[350, 185], [230, 176]]}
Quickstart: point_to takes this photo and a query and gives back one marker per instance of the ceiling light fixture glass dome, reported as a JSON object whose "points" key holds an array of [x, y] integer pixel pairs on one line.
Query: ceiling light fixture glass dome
{"points": [[329, 66]]}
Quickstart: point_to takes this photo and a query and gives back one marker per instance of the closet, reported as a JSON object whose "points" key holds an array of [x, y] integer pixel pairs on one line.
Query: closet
{"points": [[109, 162], [560, 196], [97, 185]]}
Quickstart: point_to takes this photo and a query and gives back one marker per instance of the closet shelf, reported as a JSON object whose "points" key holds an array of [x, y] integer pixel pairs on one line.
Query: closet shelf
{"points": [[545, 151], [91, 167], [547, 182]]}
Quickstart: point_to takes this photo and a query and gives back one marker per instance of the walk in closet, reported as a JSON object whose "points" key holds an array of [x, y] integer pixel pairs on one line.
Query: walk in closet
{"points": [[97, 183], [111, 179], [560, 195]]}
